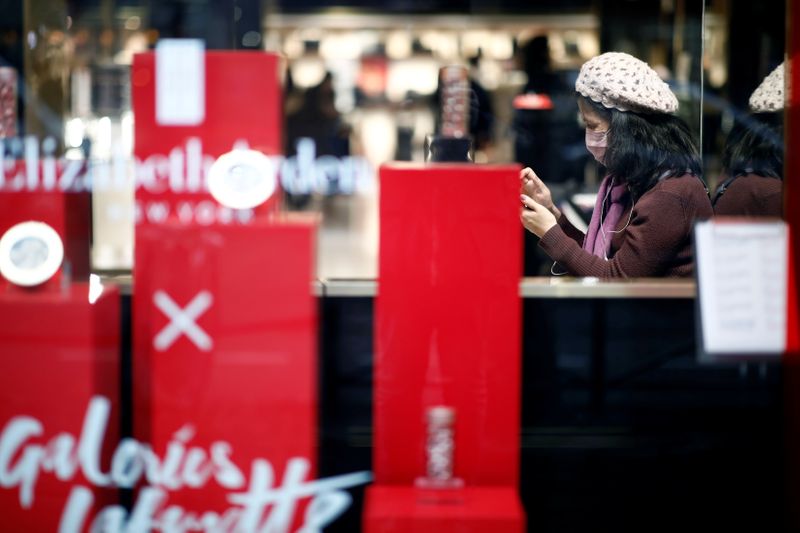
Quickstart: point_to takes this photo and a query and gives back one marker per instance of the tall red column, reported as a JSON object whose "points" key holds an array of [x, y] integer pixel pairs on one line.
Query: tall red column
{"points": [[59, 355], [225, 323], [448, 333]]}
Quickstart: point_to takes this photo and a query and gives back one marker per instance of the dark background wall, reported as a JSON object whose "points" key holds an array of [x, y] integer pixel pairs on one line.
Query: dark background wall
{"points": [[622, 430]]}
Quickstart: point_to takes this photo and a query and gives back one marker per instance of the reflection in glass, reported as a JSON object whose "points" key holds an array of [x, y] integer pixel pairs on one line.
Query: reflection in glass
{"points": [[744, 47], [752, 163]]}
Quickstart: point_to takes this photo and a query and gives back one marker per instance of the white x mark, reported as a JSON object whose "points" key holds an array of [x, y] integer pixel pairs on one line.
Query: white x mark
{"points": [[182, 320]]}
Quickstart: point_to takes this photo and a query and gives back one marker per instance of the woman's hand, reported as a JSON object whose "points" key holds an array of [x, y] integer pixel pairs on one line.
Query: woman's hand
{"points": [[535, 217], [535, 188]]}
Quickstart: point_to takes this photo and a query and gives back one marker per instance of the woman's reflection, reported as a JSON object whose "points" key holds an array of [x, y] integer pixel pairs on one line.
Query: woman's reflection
{"points": [[752, 180]]}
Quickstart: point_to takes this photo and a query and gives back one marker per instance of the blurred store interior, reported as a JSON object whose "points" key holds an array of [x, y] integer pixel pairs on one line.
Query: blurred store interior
{"points": [[361, 81]]}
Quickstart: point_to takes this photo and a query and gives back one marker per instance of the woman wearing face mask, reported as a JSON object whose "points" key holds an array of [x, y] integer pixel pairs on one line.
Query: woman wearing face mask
{"points": [[652, 192]]}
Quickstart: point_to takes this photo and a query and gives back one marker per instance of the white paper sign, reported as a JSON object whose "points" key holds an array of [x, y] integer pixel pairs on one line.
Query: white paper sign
{"points": [[742, 288], [180, 82]]}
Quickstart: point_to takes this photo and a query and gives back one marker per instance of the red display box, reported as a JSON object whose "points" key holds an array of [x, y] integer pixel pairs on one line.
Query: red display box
{"points": [[448, 318], [59, 352], [395, 509], [225, 350], [243, 102], [68, 213]]}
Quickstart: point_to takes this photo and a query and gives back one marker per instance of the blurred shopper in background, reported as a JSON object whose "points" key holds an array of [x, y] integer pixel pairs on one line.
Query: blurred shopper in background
{"points": [[533, 139], [314, 116], [752, 180], [652, 191], [318, 119], [481, 122], [547, 134]]}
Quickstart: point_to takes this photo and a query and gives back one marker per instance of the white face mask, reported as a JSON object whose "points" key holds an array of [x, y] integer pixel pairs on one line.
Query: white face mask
{"points": [[596, 143]]}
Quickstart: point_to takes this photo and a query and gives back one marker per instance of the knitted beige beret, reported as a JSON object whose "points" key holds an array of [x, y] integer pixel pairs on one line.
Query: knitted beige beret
{"points": [[769, 96], [620, 81]]}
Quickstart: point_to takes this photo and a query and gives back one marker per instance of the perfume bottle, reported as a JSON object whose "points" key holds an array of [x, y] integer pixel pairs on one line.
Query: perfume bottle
{"points": [[452, 143], [454, 94], [439, 449], [8, 103]]}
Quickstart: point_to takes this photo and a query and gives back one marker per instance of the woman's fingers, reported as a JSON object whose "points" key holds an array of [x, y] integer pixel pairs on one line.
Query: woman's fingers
{"points": [[536, 180], [535, 217], [529, 183], [528, 202], [528, 178], [531, 180], [527, 173]]}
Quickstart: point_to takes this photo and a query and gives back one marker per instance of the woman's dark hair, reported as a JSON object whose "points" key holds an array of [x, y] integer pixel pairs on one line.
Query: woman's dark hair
{"points": [[644, 148], [755, 146]]}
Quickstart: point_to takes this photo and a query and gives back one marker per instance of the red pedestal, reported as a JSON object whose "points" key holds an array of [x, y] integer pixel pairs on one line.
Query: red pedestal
{"points": [[469, 510], [225, 344], [58, 352], [243, 102], [448, 323]]}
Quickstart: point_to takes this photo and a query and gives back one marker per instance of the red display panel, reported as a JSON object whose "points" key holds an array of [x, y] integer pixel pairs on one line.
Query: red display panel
{"points": [[448, 319], [225, 347], [59, 351], [243, 102]]}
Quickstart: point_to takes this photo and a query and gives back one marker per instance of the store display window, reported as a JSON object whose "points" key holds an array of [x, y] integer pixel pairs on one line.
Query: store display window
{"points": [[397, 266]]}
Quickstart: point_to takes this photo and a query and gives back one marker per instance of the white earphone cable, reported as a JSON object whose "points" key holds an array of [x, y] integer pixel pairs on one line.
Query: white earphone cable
{"points": [[602, 218]]}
